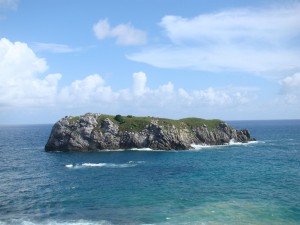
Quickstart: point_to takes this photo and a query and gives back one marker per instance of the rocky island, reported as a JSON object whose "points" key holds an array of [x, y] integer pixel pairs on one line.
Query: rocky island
{"points": [[93, 131]]}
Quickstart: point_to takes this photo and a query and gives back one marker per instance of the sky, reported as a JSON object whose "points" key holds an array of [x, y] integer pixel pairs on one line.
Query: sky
{"points": [[231, 60]]}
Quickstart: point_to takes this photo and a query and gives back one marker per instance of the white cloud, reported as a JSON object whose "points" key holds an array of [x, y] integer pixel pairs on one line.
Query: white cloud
{"points": [[9, 4], [25, 86], [102, 29], [54, 48], [19, 84], [169, 95], [90, 90], [236, 26], [19, 60], [220, 59], [290, 88], [291, 83], [260, 41], [167, 88], [125, 34], [21, 87], [139, 83]]}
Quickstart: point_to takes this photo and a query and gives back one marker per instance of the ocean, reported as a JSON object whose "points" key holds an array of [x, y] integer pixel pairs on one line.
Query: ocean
{"points": [[254, 183]]}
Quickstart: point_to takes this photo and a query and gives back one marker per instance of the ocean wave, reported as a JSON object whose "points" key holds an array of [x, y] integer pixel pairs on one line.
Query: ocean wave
{"points": [[104, 165], [111, 150], [130, 149], [53, 222], [194, 147], [199, 147], [140, 149], [231, 143]]}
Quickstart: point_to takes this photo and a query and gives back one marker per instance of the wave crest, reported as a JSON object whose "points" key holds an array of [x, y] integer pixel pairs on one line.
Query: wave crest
{"points": [[53, 222], [232, 142], [104, 165]]}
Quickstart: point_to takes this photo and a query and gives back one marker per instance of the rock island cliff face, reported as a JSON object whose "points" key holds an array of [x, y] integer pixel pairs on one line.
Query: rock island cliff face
{"points": [[92, 132]]}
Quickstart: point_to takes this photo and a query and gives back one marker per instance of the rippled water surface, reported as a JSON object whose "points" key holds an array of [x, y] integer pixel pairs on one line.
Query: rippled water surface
{"points": [[256, 183]]}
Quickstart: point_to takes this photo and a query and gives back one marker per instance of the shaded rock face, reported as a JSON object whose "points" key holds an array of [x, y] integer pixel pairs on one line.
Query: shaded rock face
{"points": [[88, 133]]}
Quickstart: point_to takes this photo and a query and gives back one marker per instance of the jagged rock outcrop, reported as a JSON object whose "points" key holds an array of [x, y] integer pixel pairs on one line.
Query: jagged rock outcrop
{"points": [[92, 132]]}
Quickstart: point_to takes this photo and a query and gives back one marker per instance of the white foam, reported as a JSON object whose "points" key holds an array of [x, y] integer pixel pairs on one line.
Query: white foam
{"points": [[136, 162], [103, 165], [130, 149], [93, 164], [69, 165], [112, 150], [140, 149], [232, 142], [52, 222], [199, 147]]}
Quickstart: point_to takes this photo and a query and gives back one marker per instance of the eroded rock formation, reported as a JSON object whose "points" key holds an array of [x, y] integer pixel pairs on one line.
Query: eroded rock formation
{"points": [[92, 132]]}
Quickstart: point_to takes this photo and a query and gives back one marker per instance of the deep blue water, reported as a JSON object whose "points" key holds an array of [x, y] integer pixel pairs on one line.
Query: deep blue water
{"points": [[257, 183]]}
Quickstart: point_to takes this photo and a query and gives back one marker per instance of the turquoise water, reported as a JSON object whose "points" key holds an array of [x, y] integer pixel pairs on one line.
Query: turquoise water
{"points": [[256, 183]]}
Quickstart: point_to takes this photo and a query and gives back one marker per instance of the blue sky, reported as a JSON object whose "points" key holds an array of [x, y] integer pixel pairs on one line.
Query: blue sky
{"points": [[233, 60]]}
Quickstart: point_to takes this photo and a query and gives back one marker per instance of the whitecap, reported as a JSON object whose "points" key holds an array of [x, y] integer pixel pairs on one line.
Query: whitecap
{"points": [[199, 147], [130, 149], [112, 150], [102, 165], [232, 142], [136, 162], [69, 165], [54, 222], [125, 165], [140, 149], [93, 164]]}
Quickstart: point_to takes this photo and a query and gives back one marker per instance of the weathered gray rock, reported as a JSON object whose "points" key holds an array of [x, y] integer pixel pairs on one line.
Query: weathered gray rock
{"points": [[92, 132]]}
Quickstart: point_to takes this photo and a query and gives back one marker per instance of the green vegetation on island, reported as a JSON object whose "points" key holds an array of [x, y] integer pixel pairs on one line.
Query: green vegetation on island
{"points": [[139, 123]]}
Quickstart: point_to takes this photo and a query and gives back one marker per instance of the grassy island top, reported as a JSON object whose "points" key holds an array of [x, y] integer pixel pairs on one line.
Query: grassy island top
{"points": [[137, 123]]}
